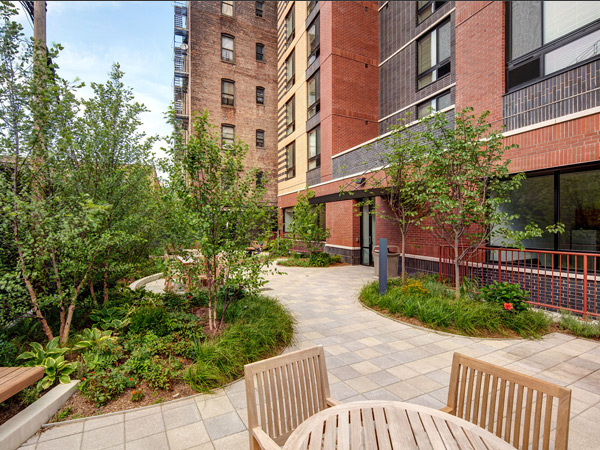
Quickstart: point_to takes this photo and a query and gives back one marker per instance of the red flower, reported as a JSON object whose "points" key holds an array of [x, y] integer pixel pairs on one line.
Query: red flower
{"points": [[82, 378], [133, 392], [131, 379], [508, 306]]}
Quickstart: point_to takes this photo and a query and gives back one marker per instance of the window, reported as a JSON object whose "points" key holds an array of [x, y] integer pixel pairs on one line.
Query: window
{"points": [[433, 55], [260, 95], [314, 95], [546, 37], [227, 134], [290, 116], [227, 8], [578, 208], [260, 179], [314, 148], [426, 9], [313, 41], [289, 27], [310, 7], [290, 70], [260, 9], [227, 93], [290, 161], [434, 104], [288, 218], [260, 52], [227, 48], [260, 138]]}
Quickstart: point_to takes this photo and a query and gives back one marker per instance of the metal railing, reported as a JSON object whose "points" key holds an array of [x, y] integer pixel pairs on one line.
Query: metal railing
{"points": [[566, 281]]}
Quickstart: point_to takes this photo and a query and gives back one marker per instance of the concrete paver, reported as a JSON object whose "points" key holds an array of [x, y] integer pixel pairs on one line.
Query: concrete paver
{"points": [[368, 357]]}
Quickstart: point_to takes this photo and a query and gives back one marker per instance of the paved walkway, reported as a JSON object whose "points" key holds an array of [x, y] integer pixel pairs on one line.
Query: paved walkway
{"points": [[368, 357]]}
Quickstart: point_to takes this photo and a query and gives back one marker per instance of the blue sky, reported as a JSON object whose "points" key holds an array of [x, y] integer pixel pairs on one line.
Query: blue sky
{"points": [[138, 35]]}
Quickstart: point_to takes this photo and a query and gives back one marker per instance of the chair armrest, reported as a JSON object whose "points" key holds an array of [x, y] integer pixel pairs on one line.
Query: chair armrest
{"points": [[447, 409], [264, 440], [332, 402]]}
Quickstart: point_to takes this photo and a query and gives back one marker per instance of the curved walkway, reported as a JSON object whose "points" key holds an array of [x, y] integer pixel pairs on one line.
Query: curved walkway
{"points": [[368, 357]]}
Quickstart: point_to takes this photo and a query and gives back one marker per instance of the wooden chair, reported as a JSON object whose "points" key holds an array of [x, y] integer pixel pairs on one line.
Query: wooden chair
{"points": [[286, 390], [516, 407]]}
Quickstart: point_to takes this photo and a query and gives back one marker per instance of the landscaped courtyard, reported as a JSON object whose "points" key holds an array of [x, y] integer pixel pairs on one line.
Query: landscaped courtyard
{"points": [[368, 356]]}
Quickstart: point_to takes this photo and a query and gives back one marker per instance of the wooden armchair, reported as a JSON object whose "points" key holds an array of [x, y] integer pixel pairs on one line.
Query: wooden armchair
{"points": [[516, 407], [284, 391]]}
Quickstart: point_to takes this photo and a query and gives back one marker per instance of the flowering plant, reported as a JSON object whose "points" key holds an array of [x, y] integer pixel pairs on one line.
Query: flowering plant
{"points": [[508, 306]]}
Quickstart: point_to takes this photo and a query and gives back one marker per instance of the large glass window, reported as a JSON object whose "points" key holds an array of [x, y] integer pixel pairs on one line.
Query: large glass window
{"points": [[290, 116], [290, 70], [313, 40], [290, 161], [314, 148], [578, 208], [260, 9], [227, 8], [310, 7], [227, 93], [426, 9], [435, 104], [314, 94], [549, 36], [227, 48], [290, 27], [288, 217], [433, 55], [227, 134]]}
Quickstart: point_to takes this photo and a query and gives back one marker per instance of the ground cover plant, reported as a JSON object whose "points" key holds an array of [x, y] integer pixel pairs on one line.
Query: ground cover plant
{"points": [[425, 301], [319, 259]]}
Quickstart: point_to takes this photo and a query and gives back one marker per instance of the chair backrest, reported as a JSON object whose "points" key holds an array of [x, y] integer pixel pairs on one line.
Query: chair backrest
{"points": [[519, 408], [285, 390]]}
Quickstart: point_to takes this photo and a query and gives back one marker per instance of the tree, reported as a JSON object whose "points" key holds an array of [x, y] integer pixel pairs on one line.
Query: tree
{"points": [[306, 226], [466, 182], [222, 210]]}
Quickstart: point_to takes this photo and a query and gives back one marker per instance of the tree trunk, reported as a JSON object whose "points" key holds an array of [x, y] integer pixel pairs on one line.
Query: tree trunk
{"points": [[456, 270], [93, 294], [106, 283], [64, 337]]}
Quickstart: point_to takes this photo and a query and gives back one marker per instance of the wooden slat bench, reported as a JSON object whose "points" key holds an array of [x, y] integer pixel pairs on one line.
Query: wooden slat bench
{"points": [[14, 379]]}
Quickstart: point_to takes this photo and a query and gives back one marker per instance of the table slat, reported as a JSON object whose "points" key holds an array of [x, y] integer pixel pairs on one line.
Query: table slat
{"points": [[400, 432], [381, 430]]}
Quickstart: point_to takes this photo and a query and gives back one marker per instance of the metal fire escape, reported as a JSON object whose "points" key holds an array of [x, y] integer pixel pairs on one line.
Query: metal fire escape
{"points": [[181, 64]]}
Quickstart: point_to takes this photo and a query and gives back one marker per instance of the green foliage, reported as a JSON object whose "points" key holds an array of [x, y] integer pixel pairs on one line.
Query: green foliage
{"points": [[579, 327], [279, 247], [317, 259], [223, 211], [435, 305], [102, 386], [109, 317], [305, 226], [506, 294], [29, 395], [260, 327], [150, 318], [8, 353], [104, 355], [52, 360], [91, 337], [138, 395], [37, 356]]}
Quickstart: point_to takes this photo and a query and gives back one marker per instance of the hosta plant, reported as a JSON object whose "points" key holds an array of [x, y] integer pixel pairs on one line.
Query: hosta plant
{"points": [[107, 318], [52, 360], [91, 337], [39, 353]]}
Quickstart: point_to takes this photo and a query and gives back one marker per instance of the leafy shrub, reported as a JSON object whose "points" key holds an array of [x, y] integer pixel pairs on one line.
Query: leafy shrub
{"points": [[319, 259], [279, 247], [150, 318], [39, 353], [102, 356], [509, 295], [439, 309], [102, 386], [137, 396], [109, 317], [91, 337], [8, 353]]}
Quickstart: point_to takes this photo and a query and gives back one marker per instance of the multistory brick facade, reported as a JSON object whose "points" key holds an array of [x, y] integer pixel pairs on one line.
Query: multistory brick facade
{"points": [[207, 23]]}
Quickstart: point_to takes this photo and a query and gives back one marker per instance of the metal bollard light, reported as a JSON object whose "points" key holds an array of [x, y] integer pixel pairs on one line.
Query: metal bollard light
{"points": [[383, 265]]}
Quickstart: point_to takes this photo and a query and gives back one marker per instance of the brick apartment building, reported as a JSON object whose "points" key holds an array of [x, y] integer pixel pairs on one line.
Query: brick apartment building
{"points": [[226, 62], [346, 71]]}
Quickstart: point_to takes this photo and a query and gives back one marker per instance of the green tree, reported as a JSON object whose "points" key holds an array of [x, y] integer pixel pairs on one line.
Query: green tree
{"points": [[306, 227], [221, 208], [467, 181]]}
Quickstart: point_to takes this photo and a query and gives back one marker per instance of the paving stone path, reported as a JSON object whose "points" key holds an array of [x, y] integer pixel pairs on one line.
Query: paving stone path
{"points": [[368, 357]]}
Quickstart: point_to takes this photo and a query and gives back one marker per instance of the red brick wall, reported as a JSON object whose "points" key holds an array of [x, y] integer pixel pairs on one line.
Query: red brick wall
{"points": [[206, 71], [349, 77], [480, 57], [343, 223]]}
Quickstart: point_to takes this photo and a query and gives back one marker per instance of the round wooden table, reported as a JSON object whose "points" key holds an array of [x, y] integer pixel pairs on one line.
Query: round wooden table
{"points": [[390, 425]]}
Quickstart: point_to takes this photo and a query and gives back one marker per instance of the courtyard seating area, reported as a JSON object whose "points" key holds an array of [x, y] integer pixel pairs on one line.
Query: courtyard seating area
{"points": [[369, 358]]}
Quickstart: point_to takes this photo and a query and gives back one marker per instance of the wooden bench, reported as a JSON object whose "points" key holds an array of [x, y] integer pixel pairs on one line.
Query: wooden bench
{"points": [[14, 379]]}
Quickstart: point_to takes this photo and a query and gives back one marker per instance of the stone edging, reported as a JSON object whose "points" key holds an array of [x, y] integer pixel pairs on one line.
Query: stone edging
{"points": [[26, 423], [144, 281]]}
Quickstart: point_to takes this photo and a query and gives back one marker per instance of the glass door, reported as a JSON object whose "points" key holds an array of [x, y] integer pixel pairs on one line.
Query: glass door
{"points": [[367, 235]]}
